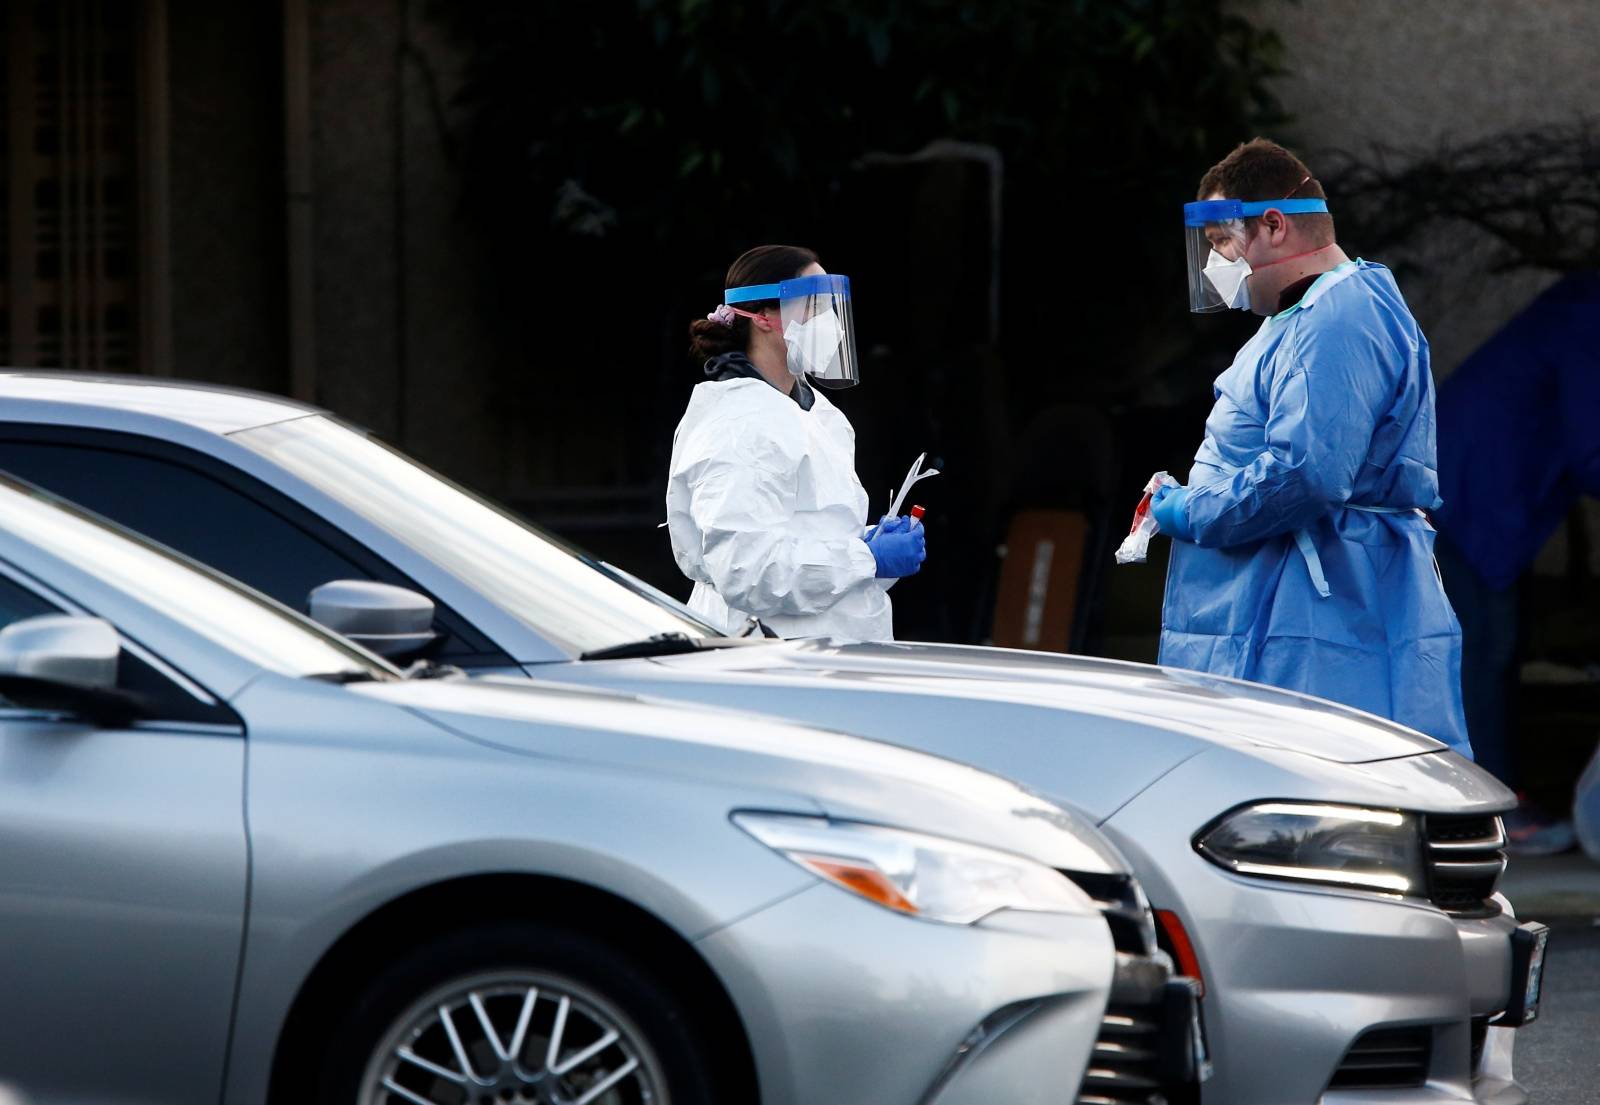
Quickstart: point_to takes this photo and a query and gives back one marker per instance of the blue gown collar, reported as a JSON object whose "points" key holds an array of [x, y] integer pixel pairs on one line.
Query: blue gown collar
{"points": [[1336, 275]]}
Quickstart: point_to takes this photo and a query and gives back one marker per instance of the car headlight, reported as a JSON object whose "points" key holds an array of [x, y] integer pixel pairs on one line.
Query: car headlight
{"points": [[1341, 845], [925, 876]]}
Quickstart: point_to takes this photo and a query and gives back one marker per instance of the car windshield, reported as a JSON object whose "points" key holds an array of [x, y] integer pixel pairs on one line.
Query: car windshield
{"points": [[236, 618], [564, 595]]}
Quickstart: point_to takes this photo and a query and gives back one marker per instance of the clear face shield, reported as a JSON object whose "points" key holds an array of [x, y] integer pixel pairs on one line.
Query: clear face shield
{"points": [[1214, 231], [816, 323]]}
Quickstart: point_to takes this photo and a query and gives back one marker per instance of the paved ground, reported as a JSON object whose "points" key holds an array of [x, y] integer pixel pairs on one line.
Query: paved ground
{"points": [[1542, 887], [1558, 1058]]}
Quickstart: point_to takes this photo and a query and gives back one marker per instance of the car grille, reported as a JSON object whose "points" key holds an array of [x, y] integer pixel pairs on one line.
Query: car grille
{"points": [[1385, 1058], [1126, 913], [1466, 857], [1124, 1067]]}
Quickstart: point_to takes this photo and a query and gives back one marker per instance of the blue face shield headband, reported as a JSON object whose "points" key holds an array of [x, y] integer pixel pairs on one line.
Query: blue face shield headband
{"points": [[815, 321], [1220, 211], [1216, 281], [821, 284]]}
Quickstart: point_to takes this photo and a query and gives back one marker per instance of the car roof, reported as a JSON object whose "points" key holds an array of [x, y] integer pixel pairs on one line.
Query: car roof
{"points": [[208, 407]]}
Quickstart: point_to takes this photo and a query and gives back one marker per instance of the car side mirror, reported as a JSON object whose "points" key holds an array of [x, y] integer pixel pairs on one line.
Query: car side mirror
{"points": [[65, 663], [58, 648], [391, 621]]}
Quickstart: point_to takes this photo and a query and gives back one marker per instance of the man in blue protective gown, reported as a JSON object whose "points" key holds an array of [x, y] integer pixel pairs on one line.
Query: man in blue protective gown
{"points": [[1301, 557]]}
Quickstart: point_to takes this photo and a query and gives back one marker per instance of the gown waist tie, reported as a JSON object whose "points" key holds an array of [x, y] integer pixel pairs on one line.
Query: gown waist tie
{"points": [[1308, 549]]}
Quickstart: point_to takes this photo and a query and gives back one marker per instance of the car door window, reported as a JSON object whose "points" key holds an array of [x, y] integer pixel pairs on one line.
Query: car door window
{"points": [[17, 603], [187, 510], [219, 524]]}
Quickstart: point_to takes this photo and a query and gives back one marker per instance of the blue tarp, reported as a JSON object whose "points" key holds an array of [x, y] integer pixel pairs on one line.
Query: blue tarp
{"points": [[1519, 442], [1519, 431]]}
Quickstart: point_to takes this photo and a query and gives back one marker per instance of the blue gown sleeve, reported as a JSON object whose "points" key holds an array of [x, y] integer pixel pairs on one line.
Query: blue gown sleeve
{"points": [[1326, 387]]}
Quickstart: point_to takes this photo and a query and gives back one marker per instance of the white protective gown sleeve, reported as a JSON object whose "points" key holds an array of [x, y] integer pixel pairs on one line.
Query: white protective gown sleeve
{"points": [[766, 515]]}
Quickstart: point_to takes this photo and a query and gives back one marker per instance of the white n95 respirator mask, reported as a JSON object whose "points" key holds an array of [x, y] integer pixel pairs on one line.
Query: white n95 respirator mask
{"points": [[1228, 278], [814, 344]]}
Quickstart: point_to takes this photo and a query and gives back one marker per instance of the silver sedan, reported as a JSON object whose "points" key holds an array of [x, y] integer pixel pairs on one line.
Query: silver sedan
{"points": [[245, 860]]}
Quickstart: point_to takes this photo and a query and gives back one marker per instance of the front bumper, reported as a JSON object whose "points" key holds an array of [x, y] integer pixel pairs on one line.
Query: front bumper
{"points": [[1298, 976], [848, 1003]]}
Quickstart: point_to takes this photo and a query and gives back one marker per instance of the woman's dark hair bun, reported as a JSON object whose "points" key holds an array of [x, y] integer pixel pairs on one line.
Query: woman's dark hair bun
{"points": [[709, 339], [762, 265]]}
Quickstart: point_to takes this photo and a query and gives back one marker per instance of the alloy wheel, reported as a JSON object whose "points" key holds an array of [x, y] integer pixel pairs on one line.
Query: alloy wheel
{"points": [[513, 1038]]}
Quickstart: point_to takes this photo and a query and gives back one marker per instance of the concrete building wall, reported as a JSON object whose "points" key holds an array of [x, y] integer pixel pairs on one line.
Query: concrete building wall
{"points": [[1412, 76], [457, 346], [225, 157], [404, 343], [355, 210]]}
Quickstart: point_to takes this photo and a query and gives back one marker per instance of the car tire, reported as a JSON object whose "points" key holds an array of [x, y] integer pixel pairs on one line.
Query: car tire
{"points": [[506, 1013]]}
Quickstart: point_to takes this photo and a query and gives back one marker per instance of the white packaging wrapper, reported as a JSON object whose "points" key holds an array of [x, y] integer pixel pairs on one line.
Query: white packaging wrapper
{"points": [[1136, 546]]}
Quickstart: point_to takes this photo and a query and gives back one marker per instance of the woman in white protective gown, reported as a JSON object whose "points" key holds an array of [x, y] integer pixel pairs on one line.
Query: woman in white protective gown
{"points": [[766, 514]]}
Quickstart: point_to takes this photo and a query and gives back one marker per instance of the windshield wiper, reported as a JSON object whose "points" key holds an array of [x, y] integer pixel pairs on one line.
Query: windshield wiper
{"points": [[343, 677], [753, 624], [429, 669], [660, 644]]}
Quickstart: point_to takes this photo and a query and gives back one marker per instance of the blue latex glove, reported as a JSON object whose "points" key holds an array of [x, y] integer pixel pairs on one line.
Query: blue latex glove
{"points": [[886, 524], [1167, 504], [898, 547]]}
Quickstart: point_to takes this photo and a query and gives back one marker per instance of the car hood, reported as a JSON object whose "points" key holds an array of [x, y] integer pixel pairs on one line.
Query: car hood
{"points": [[1090, 733], [832, 773], [1210, 708]]}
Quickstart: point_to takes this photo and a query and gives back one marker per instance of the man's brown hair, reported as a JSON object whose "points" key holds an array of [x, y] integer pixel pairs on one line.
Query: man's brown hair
{"points": [[1263, 170]]}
